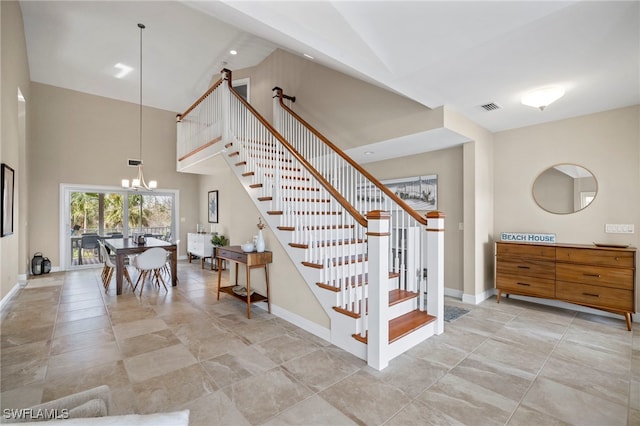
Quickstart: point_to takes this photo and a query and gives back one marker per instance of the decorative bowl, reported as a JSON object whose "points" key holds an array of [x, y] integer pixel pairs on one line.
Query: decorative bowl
{"points": [[248, 247]]}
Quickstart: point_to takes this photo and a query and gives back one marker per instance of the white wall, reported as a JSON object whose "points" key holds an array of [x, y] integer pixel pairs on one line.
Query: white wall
{"points": [[606, 143], [84, 139], [14, 75]]}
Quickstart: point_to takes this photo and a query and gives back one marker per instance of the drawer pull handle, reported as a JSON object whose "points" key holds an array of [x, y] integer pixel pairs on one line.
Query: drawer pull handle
{"points": [[590, 294], [524, 267], [524, 284], [592, 275]]}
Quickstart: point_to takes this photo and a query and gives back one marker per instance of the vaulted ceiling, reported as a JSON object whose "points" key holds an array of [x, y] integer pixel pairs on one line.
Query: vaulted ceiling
{"points": [[459, 54]]}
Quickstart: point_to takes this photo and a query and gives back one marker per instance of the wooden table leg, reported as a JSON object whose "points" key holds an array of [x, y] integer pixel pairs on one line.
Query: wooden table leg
{"points": [[219, 278], [248, 292], [119, 272], [266, 273], [174, 267]]}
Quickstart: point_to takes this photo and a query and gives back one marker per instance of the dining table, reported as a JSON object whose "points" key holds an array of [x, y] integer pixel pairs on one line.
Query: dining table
{"points": [[123, 247]]}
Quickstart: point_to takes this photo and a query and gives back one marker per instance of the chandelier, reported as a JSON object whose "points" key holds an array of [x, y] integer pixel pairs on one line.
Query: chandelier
{"points": [[138, 182]]}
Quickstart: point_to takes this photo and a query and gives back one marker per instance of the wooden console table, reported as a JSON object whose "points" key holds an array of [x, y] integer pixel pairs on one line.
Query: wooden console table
{"points": [[251, 260]]}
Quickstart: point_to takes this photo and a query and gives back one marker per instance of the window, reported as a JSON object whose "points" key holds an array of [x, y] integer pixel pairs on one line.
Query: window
{"points": [[112, 213]]}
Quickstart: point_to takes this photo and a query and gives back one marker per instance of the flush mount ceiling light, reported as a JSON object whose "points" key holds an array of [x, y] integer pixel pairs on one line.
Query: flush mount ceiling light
{"points": [[138, 182], [543, 97], [233, 52], [124, 70]]}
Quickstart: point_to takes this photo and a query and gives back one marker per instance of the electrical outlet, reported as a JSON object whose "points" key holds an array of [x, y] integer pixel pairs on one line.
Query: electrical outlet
{"points": [[617, 228]]}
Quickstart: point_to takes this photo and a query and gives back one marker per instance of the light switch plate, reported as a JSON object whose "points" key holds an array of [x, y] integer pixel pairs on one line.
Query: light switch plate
{"points": [[618, 228]]}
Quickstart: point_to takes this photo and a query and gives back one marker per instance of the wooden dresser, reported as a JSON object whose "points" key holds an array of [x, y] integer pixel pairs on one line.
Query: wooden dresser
{"points": [[597, 277]]}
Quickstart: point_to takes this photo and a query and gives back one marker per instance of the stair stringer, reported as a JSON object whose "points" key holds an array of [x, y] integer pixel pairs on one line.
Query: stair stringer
{"points": [[342, 327]]}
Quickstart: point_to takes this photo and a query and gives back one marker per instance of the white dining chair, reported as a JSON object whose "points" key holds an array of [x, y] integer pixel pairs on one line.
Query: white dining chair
{"points": [[167, 266], [150, 263], [110, 266]]}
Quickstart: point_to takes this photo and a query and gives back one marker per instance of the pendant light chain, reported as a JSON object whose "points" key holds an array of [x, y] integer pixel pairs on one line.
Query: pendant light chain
{"points": [[138, 182]]}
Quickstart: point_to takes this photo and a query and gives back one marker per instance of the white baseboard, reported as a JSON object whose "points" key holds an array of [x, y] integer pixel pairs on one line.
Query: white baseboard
{"points": [[7, 297], [450, 292], [298, 321], [478, 298]]}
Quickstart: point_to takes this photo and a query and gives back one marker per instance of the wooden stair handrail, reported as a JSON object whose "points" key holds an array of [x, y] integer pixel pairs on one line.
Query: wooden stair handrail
{"points": [[321, 179], [349, 160], [179, 117]]}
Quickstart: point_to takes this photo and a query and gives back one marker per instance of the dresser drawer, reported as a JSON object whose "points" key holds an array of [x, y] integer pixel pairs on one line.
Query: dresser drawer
{"points": [[530, 251], [605, 257], [595, 275], [531, 286], [592, 295], [527, 268]]}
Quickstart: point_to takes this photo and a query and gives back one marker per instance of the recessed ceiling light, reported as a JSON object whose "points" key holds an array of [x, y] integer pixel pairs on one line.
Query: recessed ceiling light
{"points": [[306, 55], [368, 153], [124, 70], [233, 52]]}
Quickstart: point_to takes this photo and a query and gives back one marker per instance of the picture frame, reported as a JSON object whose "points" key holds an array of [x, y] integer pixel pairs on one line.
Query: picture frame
{"points": [[212, 206], [419, 192], [7, 180]]}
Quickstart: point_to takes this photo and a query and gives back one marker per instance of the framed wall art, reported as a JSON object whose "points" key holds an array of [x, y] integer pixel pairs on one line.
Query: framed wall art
{"points": [[7, 179], [213, 206], [419, 192]]}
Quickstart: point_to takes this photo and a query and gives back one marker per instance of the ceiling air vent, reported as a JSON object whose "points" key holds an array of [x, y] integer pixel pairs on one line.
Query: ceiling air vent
{"points": [[490, 106]]}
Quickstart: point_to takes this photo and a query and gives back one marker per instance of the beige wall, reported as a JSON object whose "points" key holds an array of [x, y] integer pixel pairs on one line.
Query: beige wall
{"points": [[13, 147], [84, 139], [238, 217], [607, 144], [447, 164], [478, 206], [349, 112]]}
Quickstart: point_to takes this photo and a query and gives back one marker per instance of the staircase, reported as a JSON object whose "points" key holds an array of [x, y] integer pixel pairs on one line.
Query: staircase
{"points": [[371, 261]]}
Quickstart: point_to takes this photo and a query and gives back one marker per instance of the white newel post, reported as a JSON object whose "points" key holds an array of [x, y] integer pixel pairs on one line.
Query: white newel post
{"points": [[378, 288], [435, 268]]}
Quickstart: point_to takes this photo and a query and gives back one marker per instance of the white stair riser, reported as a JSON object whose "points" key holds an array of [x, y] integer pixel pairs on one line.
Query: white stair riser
{"points": [[312, 219], [402, 308], [407, 342]]}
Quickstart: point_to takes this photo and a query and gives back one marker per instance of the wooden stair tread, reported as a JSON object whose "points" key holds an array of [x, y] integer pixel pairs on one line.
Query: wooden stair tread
{"points": [[356, 280], [398, 296], [338, 261], [403, 325], [395, 296], [328, 243], [314, 228], [301, 188], [309, 213]]}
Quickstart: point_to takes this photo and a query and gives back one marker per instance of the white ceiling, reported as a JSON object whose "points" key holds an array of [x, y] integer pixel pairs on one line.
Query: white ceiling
{"points": [[458, 54]]}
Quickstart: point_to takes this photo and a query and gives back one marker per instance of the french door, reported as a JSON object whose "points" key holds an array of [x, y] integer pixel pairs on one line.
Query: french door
{"points": [[89, 213]]}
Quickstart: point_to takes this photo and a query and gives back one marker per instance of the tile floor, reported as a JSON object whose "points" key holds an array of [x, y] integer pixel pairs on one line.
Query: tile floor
{"points": [[510, 363]]}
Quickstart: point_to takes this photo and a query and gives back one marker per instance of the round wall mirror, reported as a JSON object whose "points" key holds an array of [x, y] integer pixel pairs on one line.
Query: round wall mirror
{"points": [[565, 188]]}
